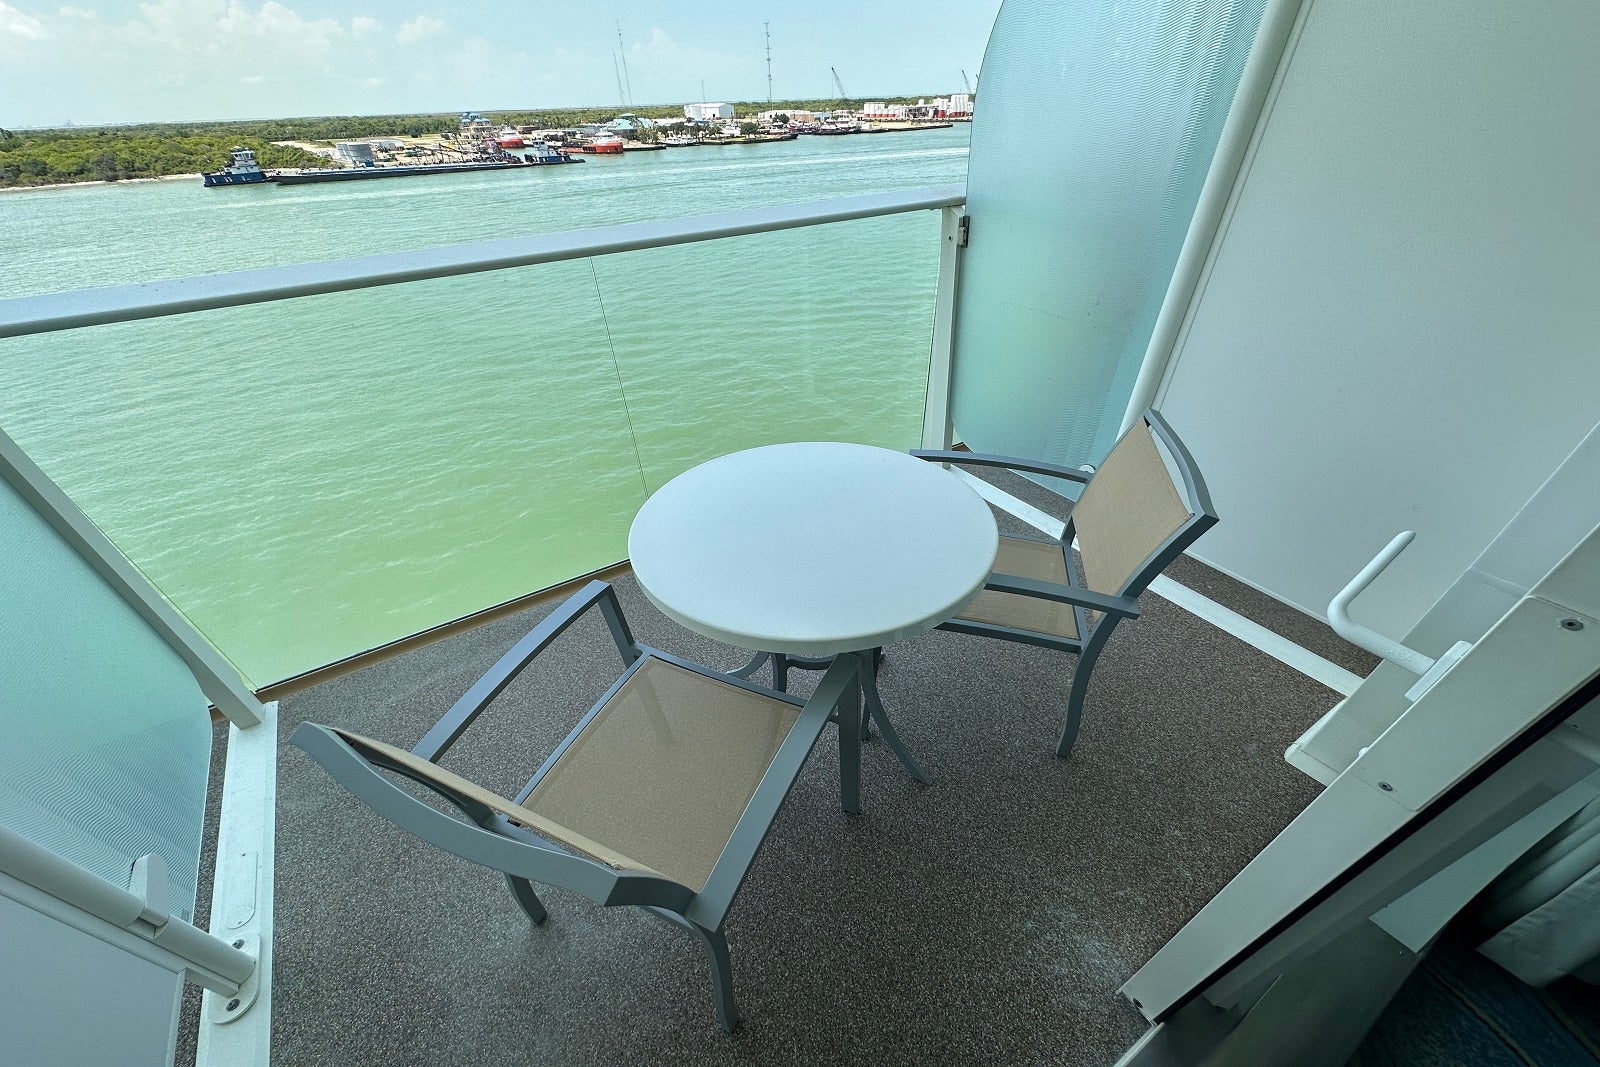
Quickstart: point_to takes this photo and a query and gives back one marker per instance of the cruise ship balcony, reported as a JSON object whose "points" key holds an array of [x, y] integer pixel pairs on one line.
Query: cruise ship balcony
{"points": [[1344, 249], [989, 917]]}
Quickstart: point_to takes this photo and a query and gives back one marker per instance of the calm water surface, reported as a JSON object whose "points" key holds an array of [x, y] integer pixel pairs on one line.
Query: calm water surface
{"points": [[313, 478]]}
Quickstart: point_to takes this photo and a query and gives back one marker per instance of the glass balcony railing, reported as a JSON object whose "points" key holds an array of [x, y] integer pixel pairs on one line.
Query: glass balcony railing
{"points": [[310, 479]]}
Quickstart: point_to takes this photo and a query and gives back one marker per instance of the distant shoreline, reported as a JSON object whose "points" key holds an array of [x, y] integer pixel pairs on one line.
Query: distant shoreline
{"points": [[94, 181]]}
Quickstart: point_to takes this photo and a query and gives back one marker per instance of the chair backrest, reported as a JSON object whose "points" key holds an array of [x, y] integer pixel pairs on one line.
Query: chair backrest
{"points": [[1142, 508]]}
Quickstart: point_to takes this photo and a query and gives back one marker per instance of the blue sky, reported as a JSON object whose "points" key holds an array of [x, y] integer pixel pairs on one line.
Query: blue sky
{"points": [[105, 61]]}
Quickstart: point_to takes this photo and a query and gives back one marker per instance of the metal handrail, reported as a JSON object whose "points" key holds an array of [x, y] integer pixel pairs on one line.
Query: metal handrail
{"points": [[211, 961], [1364, 636], [50, 312]]}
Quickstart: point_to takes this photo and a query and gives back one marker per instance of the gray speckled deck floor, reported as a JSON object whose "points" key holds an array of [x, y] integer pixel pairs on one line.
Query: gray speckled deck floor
{"points": [[988, 918]]}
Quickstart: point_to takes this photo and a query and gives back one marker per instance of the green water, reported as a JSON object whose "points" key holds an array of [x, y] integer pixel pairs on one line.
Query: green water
{"points": [[313, 478]]}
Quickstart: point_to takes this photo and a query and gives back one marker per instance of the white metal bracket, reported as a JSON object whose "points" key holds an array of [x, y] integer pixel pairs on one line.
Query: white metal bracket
{"points": [[222, 1008], [149, 883]]}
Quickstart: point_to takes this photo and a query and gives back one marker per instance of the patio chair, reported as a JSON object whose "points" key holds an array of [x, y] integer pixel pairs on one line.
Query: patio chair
{"points": [[1136, 514], [659, 798]]}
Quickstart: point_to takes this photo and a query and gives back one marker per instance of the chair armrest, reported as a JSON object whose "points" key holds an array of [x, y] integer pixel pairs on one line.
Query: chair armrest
{"points": [[444, 733], [1125, 606], [535, 860], [836, 687], [983, 459]]}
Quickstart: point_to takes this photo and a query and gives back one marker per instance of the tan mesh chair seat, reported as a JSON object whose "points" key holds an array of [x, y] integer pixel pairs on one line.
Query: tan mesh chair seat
{"points": [[1043, 560], [655, 782], [1126, 513], [666, 768]]}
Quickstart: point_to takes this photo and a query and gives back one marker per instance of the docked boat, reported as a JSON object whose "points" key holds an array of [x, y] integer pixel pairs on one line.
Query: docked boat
{"points": [[679, 142], [539, 152], [349, 174], [241, 169], [508, 137], [602, 144]]}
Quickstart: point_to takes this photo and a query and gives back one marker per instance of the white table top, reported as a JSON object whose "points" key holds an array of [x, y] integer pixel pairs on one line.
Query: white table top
{"points": [[813, 549]]}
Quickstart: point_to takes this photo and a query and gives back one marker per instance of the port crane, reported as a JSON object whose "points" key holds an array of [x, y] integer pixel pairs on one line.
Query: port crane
{"points": [[839, 85], [967, 83]]}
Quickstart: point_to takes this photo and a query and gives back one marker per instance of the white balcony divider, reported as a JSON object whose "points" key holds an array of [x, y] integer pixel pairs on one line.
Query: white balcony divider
{"points": [[217, 679], [107, 741], [103, 781], [1090, 146]]}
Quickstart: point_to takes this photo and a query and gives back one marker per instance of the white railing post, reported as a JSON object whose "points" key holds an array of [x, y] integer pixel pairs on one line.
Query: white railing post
{"points": [[936, 427], [232, 1032]]}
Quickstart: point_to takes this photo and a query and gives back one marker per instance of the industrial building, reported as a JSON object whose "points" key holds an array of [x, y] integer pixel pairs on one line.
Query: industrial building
{"points": [[707, 112]]}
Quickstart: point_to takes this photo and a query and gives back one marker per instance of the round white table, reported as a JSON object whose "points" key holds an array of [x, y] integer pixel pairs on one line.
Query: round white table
{"points": [[812, 549]]}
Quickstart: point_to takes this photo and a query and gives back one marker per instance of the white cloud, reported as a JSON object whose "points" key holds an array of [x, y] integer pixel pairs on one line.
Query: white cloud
{"points": [[418, 28], [190, 59], [19, 24]]}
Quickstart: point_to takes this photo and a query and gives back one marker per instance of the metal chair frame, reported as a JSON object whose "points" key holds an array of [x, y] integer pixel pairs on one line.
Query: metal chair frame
{"points": [[524, 857], [1114, 607]]}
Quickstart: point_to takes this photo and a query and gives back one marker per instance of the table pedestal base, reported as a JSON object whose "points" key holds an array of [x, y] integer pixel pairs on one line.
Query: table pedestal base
{"points": [[851, 734]]}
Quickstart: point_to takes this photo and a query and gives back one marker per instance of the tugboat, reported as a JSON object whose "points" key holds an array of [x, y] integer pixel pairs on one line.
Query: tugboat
{"points": [[241, 169], [539, 152]]}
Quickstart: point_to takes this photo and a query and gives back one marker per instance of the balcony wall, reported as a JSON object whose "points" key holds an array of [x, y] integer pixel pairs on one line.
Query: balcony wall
{"points": [[1396, 328]]}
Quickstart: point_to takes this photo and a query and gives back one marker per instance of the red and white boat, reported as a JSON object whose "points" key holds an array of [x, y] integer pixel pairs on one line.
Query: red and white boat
{"points": [[509, 137], [601, 144]]}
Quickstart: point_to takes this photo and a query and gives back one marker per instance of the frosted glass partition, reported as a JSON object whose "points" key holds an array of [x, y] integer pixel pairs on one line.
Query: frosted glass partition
{"points": [[311, 479], [107, 740], [1094, 129]]}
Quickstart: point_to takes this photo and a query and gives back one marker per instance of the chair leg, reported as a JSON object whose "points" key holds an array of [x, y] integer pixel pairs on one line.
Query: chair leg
{"points": [[716, 946], [522, 890], [1069, 729], [780, 672]]}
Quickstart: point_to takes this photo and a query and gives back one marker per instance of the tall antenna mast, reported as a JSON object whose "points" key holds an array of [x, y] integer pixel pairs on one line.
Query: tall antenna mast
{"points": [[623, 52], [767, 27], [618, 72]]}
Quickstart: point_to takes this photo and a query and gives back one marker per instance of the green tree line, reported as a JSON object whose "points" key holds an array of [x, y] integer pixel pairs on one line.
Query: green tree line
{"points": [[151, 150], [46, 157]]}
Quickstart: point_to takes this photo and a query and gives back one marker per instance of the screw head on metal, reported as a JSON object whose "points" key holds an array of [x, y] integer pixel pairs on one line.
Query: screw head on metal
{"points": [[1572, 624], [1386, 787], [233, 1005], [239, 943]]}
